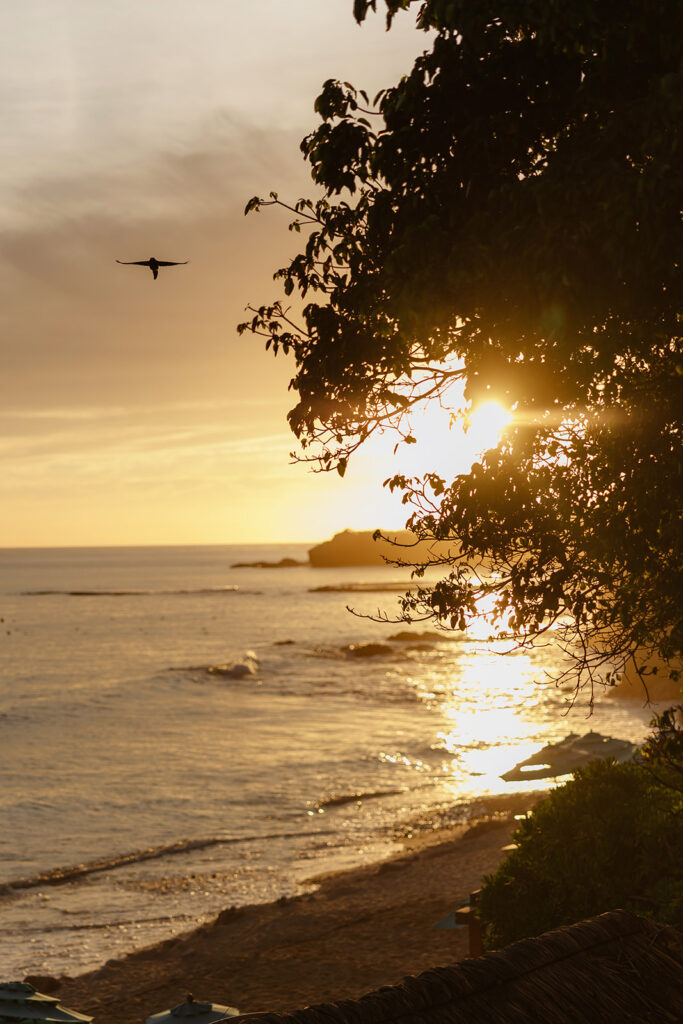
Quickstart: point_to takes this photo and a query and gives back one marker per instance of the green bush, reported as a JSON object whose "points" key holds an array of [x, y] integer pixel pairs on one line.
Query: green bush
{"points": [[610, 838]]}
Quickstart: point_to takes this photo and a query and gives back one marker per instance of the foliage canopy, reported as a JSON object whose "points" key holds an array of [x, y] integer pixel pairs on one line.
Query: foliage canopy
{"points": [[609, 839], [509, 215]]}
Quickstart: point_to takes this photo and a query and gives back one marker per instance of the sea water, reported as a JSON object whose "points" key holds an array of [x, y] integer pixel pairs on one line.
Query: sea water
{"points": [[175, 784]]}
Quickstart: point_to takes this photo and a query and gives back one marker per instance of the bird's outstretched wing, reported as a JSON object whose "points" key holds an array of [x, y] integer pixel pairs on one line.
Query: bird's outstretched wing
{"points": [[172, 263], [134, 263]]}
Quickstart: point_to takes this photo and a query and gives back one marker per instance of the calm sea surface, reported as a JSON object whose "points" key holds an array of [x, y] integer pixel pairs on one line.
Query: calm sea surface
{"points": [[125, 727]]}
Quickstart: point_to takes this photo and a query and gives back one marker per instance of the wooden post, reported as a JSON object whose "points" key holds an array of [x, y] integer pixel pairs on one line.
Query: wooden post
{"points": [[469, 916]]}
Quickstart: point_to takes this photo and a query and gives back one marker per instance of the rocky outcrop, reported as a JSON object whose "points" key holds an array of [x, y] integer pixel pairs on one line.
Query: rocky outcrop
{"points": [[358, 547]]}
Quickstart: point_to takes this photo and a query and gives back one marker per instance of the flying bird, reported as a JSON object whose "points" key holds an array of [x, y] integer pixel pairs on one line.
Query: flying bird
{"points": [[153, 264]]}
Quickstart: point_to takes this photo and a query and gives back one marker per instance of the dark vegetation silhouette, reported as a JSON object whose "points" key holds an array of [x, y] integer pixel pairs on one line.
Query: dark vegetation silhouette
{"points": [[153, 264], [508, 215], [611, 838]]}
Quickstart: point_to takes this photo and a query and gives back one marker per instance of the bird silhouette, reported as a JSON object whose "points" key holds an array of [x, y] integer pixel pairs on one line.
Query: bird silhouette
{"points": [[153, 264]]}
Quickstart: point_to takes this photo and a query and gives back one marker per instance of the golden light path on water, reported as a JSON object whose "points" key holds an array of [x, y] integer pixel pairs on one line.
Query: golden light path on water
{"points": [[491, 705], [493, 708], [505, 685]]}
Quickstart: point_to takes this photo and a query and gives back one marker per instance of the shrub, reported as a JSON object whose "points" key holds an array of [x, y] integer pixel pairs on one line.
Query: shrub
{"points": [[610, 838]]}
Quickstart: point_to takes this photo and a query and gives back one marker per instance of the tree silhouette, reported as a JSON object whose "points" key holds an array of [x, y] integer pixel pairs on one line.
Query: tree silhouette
{"points": [[509, 214]]}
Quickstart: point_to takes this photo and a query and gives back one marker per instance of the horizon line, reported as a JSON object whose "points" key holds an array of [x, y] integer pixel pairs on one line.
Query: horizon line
{"points": [[199, 544]]}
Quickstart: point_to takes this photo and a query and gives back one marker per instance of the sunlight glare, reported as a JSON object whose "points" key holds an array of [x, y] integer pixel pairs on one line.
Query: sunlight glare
{"points": [[447, 441], [486, 424], [490, 721]]}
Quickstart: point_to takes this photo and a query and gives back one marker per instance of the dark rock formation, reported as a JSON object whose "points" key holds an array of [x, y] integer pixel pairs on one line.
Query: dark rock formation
{"points": [[369, 650], [357, 547]]}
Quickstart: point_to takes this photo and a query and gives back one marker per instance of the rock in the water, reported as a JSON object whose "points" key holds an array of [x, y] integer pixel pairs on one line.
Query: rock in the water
{"points": [[358, 547], [368, 650], [407, 636]]}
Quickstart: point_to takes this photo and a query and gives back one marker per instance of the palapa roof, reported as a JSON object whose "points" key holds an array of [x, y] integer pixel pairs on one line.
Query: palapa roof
{"points": [[21, 1004], [193, 1011], [617, 968]]}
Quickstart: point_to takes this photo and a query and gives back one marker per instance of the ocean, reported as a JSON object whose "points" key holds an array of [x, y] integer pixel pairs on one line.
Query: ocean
{"points": [[178, 736]]}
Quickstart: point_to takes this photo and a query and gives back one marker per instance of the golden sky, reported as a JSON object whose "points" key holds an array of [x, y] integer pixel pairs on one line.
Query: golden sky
{"points": [[131, 412]]}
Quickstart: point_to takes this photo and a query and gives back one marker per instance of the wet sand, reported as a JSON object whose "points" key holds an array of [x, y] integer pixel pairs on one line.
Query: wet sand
{"points": [[357, 931]]}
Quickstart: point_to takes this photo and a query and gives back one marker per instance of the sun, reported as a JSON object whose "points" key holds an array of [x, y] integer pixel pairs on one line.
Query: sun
{"points": [[486, 425], [446, 441]]}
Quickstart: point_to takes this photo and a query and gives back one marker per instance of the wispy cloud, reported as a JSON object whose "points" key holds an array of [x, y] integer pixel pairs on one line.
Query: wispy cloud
{"points": [[207, 173], [97, 413], [127, 136]]}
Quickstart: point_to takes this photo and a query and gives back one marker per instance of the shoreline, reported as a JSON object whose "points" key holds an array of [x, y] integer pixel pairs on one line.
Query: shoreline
{"points": [[359, 929]]}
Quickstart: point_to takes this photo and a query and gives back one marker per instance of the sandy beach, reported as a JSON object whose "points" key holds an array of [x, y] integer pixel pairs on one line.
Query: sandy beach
{"points": [[358, 930]]}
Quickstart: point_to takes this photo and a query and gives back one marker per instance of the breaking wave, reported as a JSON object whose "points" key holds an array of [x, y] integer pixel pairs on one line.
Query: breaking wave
{"points": [[230, 670], [352, 798], [64, 875], [364, 588]]}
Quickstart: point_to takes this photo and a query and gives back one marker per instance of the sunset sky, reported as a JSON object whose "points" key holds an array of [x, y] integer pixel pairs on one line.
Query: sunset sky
{"points": [[131, 411]]}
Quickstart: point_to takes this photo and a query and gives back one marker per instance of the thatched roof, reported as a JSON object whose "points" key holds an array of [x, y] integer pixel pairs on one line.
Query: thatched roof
{"points": [[21, 1004], [612, 969]]}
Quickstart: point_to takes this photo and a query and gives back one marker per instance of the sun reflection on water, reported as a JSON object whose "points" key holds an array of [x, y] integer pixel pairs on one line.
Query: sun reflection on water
{"points": [[492, 717]]}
